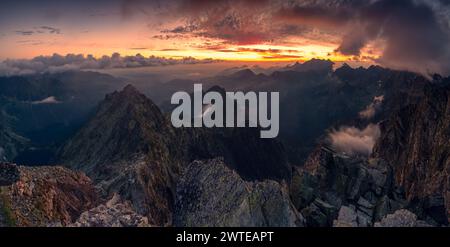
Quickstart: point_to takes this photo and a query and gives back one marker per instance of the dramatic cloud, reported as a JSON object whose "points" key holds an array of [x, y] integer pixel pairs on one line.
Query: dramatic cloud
{"points": [[411, 34], [354, 141], [58, 63], [414, 33], [414, 37], [402, 34]]}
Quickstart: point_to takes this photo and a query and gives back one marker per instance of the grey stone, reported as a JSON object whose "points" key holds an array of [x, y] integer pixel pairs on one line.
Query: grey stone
{"points": [[401, 218], [209, 193]]}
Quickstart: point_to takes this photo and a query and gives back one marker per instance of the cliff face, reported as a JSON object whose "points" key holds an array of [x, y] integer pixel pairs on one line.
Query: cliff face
{"points": [[416, 141], [43, 196]]}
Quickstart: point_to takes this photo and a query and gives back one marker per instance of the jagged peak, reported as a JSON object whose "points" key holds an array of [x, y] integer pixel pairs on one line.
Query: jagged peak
{"points": [[128, 94]]}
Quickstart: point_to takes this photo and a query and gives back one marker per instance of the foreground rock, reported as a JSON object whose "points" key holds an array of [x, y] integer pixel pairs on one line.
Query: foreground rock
{"points": [[211, 194], [114, 213], [334, 189], [43, 196]]}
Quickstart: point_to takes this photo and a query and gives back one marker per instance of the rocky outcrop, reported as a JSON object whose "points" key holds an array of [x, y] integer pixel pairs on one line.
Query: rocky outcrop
{"points": [[211, 194], [43, 196], [114, 213], [416, 141], [355, 191]]}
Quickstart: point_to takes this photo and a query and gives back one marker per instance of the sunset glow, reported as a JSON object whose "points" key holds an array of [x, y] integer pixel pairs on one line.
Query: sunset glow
{"points": [[230, 30], [104, 31]]}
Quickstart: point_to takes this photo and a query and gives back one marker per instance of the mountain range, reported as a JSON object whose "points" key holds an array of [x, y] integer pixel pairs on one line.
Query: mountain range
{"points": [[123, 156]]}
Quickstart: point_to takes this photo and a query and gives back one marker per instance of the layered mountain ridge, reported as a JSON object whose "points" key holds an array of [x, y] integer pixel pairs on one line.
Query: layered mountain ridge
{"points": [[166, 176], [129, 147]]}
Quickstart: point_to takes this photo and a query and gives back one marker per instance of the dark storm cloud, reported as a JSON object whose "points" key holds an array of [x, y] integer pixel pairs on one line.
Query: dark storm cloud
{"points": [[415, 38]]}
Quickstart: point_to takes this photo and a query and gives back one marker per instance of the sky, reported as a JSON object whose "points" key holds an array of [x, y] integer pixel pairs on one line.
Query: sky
{"points": [[403, 34]]}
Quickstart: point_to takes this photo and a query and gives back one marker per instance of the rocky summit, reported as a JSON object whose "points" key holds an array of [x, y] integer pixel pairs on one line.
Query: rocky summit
{"points": [[130, 148]]}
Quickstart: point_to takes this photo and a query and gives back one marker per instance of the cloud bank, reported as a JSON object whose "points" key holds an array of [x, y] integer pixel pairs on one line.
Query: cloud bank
{"points": [[354, 141], [58, 63]]}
